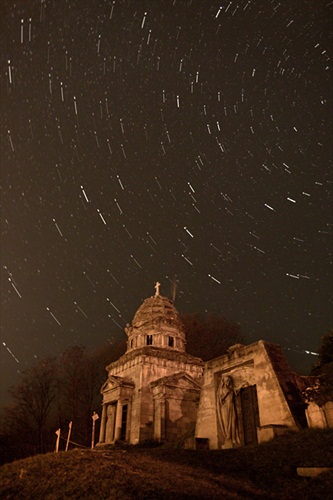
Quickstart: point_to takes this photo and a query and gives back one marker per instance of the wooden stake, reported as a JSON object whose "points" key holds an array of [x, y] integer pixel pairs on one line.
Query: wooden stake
{"points": [[69, 434], [94, 418], [57, 441]]}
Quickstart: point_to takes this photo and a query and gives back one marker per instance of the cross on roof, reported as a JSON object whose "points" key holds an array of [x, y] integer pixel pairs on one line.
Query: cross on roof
{"points": [[157, 288]]}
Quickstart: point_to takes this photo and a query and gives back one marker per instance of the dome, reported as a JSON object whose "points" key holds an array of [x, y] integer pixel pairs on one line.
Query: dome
{"points": [[157, 324], [155, 311]]}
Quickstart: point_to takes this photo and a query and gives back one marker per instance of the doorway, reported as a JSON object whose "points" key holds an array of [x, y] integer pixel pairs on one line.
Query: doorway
{"points": [[124, 423], [250, 414]]}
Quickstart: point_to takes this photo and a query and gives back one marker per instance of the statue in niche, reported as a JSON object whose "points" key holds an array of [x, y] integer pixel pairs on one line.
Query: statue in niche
{"points": [[226, 411]]}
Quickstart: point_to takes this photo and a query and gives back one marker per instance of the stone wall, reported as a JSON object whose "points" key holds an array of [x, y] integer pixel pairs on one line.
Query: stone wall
{"points": [[261, 398], [142, 367], [176, 399], [320, 417]]}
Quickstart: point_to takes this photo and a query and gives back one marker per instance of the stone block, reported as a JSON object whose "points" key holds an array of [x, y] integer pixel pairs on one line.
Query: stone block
{"points": [[315, 416], [328, 409], [268, 432], [312, 471]]}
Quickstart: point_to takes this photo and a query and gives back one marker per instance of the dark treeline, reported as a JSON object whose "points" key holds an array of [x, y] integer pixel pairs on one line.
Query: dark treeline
{"points": [[51, 394], [323, 369]]}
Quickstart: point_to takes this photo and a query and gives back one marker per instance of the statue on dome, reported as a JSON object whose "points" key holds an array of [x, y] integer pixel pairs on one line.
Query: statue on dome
{"points": [[157, 288]]}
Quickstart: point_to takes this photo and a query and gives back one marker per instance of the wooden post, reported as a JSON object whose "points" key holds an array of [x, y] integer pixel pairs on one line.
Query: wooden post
{"points": [[57, 441], [69, 434], [94, 418]]}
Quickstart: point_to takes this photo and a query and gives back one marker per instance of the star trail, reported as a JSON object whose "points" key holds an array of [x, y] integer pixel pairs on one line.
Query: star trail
{"points": [[184, 141]]}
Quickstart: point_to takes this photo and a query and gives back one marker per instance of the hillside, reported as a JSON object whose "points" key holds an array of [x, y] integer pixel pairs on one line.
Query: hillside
{"points": [[264, 471]]}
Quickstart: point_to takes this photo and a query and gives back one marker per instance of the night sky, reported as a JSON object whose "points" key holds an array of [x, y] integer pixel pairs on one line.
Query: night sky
{"points": [[182, 141]]}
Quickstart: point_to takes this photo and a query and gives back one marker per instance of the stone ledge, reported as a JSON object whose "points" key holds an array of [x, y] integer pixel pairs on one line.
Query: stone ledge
{"points": [[142, 354], [312, 471]]}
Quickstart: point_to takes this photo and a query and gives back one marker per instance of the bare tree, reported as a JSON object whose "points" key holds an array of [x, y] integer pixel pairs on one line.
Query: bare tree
{"points": [[324, 370], [32, 404], [50, 395], [80, 377], [209, 336]]}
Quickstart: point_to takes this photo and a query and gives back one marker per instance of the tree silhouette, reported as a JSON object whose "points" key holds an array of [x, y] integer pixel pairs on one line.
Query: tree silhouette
{"points": [[326, 349], [80, 377], [210, 336], [324, 370], [50, 395], [27, 417]]}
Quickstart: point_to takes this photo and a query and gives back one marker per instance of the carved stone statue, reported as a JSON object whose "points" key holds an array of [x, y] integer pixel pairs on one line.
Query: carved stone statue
{"points": [[226, 412]]}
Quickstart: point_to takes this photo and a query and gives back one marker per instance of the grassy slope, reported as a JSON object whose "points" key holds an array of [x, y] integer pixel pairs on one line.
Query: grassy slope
{"points": [[265, 471]]}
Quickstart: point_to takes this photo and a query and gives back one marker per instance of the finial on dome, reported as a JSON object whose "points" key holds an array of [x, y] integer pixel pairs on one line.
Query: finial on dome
{"points": [[157, 288]]}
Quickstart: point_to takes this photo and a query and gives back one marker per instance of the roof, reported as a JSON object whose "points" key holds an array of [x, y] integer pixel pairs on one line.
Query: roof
{"points": [[146, 352], [156, 310]]}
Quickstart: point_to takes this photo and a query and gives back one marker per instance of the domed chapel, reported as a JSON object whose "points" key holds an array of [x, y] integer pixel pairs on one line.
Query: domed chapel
{"points": [[157, 391]]}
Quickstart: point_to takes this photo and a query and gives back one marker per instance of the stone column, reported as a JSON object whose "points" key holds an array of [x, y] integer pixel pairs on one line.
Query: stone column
{"points": [[163, 417], [157, 419], [103, 425], [118, 420], [129, 421]]}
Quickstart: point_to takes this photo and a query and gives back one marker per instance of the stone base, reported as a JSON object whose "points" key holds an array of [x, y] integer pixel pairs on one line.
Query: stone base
{"points": [[268, 432], [229, 444], [312, 471]]}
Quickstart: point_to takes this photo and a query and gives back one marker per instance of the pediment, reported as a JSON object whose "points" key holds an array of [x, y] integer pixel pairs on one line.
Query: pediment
{"points": [[181, 380], [114, 382]]}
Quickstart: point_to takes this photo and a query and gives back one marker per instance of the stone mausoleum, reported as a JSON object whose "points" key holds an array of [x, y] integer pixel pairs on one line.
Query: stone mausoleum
{"points": [[156, 391]]}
